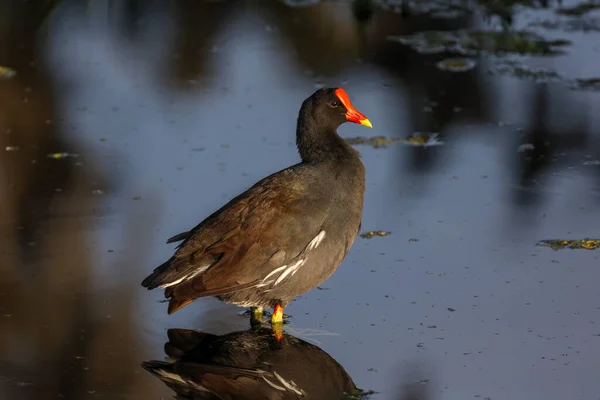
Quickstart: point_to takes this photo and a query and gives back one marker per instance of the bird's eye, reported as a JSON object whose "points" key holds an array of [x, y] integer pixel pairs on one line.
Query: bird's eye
{"points": [[334, 104]]}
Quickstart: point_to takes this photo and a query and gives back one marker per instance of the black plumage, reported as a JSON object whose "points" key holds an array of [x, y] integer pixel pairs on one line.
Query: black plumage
{"points": [[286, 234], [249, 365]]}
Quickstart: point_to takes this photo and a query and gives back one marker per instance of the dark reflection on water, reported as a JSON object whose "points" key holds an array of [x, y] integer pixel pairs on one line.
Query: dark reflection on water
{"points": [[172, 108], [249, 364]]}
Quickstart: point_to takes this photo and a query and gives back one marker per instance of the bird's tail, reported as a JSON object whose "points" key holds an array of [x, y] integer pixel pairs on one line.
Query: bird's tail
{"points": [[169, 273], [167, 372]]}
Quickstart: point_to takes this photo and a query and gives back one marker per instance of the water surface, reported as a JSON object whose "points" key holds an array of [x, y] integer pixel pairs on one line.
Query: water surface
{"points": [[173, 108]]}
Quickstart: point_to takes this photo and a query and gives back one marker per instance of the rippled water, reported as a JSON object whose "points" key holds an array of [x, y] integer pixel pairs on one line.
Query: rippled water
{"points": [[167, 110]]}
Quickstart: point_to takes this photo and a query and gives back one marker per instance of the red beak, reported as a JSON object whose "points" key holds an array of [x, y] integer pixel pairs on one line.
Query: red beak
{"points": [[352, 115]]}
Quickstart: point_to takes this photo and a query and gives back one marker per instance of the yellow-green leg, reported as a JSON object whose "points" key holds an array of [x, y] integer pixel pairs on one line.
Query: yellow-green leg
{"points": [[256, 316], [277, 322]]}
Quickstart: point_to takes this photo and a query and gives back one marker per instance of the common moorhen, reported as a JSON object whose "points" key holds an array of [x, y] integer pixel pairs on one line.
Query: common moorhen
{"points": [[286, 234], [250, 365]]}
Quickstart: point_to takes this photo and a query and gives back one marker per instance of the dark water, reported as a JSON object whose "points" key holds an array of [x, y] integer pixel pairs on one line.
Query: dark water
{"points": [[174, 107]]}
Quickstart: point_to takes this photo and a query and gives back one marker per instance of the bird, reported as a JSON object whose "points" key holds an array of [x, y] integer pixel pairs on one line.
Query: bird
{"points": [[250, 365], [286, 234]]}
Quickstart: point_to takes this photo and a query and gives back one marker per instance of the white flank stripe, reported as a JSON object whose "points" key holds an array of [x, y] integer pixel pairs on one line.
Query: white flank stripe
{"points": [[288, 384], [297, 267], [170, 375], [166, 285], [276, 270], [272, 384], [199, 270], [291, 268], [316, 241]]}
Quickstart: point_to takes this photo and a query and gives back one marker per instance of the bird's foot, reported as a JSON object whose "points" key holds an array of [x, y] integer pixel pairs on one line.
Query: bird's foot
{"points": [[259, 317], [277, 328], [277, 322], [269, 314], [256, 316], [266, 314], [277, 317]]}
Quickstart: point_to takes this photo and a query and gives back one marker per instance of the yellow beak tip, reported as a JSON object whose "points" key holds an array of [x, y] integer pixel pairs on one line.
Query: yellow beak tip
{"points": [[366, 123]]}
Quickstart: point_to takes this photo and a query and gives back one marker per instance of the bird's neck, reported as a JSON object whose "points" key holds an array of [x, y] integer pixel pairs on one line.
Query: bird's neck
{"points": [[321, 143]]}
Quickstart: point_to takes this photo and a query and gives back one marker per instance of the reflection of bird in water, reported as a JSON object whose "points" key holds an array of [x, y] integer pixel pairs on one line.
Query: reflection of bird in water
{"points": [[249, 365], [286, 234], [362, 10]]}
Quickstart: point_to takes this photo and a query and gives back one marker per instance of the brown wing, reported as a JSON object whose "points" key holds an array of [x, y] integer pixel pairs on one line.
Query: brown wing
{"points": [[179, 237], [242, 242]]}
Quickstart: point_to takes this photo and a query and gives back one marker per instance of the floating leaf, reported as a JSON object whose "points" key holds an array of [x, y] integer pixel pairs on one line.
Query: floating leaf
{"points": [[592, 84], [423, 139], [58, 156], [377, 141], [587, 244], [457, 64], [371, 234], [473, 42], [300, 3], [517, 70], [591, 162], [7, 73], [525, 147], [359, 394], [578, 10], [586, 24]]}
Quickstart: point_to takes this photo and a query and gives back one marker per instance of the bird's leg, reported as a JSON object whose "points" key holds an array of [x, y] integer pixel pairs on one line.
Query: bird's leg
{"points": [[256, 316], [277, 322], [277, 317]]}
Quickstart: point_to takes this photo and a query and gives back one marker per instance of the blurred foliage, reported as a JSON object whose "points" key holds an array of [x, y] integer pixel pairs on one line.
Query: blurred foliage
{"points": [[467, 42], [579, 9]]}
